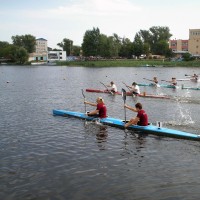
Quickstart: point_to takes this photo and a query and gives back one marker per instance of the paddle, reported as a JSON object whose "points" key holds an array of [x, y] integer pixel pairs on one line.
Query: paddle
{"points": [[166, 81], [148, 79], [107, 88], [129, 89], [84, 99], [124, 98], [156, 84]]}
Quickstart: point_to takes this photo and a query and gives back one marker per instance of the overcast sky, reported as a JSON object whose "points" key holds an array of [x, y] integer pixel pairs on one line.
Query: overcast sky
{"points": [[55, 20]]}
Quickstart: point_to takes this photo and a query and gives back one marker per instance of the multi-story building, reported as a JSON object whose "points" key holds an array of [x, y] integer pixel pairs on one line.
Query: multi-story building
{"points": [[41, 51], [194, 42], [183, 46], [178, 45], [41, 45]]}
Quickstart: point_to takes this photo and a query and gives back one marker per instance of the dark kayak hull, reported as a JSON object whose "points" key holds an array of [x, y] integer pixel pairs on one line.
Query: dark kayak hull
{"points": [[120, 124], [144, 95]]}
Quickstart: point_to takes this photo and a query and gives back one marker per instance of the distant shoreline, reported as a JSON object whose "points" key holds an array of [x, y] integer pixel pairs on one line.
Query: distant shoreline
{"points": [[131, 63], [120, 63]]}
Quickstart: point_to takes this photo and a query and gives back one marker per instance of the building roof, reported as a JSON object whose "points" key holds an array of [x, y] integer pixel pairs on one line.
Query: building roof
{"points": [[41, 39]]}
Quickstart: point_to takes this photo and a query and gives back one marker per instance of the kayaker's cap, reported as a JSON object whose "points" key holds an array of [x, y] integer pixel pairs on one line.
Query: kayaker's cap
{"points": [[134, 83]]}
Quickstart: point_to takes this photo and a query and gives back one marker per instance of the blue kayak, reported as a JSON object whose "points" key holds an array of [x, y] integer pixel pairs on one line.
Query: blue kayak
{"points": [[158, 85], [190, 88], [160, 131]]}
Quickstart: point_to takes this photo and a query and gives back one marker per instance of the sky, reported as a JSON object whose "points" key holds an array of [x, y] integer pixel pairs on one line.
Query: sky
{"points": [[55, 20]]}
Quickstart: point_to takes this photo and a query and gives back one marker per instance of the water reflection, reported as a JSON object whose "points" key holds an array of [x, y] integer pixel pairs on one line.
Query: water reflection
{"points": [[100, 130], [134, 142]]}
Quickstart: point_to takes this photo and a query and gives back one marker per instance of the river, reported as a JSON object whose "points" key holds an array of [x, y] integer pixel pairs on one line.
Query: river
{"points": [[57, 158]]}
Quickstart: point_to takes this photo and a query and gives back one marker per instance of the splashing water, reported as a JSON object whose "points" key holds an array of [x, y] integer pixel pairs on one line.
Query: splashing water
{"points": [[182, 116]]}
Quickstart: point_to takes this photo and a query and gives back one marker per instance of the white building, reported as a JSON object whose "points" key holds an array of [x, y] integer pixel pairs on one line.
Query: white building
{"points": [[57, 55]]}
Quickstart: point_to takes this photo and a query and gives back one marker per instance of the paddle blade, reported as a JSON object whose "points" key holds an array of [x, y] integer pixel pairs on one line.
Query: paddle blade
{"points": [[124, 94], [83, 93]]}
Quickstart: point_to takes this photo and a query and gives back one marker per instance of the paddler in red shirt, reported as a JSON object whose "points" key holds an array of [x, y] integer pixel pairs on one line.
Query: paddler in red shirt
{"points": [[101, 110], [141, 119]]}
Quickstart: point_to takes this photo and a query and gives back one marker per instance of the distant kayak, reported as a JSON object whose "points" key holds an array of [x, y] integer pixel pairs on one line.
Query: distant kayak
{"points": [[130, 94], [190, 88], [158, 85]]}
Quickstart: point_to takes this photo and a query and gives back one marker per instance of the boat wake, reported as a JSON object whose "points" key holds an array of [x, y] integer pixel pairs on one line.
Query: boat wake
{"points": [[182, 116], [187, 100]]}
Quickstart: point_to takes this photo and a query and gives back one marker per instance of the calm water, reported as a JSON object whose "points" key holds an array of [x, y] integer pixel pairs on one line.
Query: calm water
{"points": [[55, 158]]}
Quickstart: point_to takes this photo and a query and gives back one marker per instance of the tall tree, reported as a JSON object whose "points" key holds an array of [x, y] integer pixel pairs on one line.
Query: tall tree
{"points": [[91, 41], [26, 41], [104, 46], [159, 39], [137, 45], [126, 48], [67, 45], [117, 44]]}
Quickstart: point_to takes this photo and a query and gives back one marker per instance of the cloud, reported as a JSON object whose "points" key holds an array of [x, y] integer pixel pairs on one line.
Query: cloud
{"points": [[96, 8]]}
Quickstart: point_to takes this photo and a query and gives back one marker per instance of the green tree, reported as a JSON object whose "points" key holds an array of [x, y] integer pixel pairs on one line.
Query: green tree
{"points": [[188, 57], [159, 38], [137, 45], [3, 44], [91, 41], [155, 40], [26, 41], [76, 50], [21, 55], [126, 48], [117, 44], [104, 46], [67, 45], [14, 53]]}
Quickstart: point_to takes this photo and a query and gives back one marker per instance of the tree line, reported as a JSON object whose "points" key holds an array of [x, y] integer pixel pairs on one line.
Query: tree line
{"points": [[153, 41]]}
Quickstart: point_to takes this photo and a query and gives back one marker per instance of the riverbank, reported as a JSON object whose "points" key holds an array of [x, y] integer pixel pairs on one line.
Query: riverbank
{"points": [[131, 63]]}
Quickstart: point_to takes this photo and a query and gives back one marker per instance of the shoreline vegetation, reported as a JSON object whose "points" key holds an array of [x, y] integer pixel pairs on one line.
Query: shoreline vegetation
{"points": [[130, 63]]}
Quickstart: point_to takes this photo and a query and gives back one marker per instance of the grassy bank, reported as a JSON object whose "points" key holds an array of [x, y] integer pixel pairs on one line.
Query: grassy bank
{"points": [[130, 63]]}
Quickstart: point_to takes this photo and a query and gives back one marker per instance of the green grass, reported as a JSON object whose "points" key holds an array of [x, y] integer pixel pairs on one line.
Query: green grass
{"points": [[130, 63]]}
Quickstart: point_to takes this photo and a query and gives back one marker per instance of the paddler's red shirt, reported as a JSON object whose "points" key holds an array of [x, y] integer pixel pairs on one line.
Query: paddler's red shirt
{"points": [[143, 118], [101, 107]]}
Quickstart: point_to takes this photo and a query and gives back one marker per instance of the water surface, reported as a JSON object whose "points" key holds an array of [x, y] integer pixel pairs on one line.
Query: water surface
{"points": [[47, 157]]}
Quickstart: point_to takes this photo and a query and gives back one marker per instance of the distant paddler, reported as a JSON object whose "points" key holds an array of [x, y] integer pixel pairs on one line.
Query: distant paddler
{"points": [[193, 77], [155, 81], [134, 88], [113, 87], [173, 82]]}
